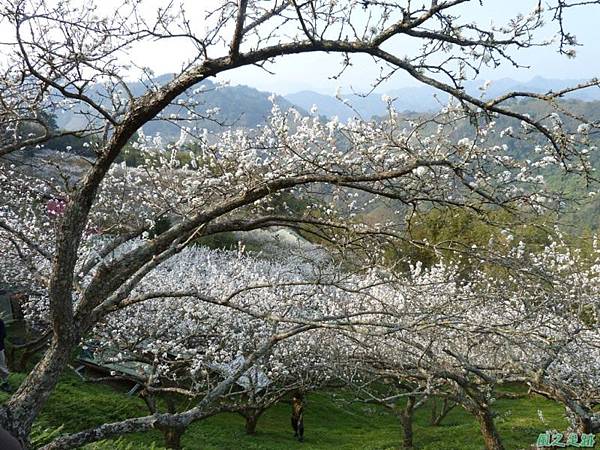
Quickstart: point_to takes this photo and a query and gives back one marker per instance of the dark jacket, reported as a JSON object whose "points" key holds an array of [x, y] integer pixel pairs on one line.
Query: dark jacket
{"points": [[8, 442]]}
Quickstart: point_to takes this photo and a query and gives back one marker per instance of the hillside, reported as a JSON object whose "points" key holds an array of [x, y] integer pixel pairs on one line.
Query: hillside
{"points": [[239, 106], [331, 422], [427, 99]]}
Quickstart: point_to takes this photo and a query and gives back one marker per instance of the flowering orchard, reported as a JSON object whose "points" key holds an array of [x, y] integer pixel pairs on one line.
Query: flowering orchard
{"points": [[108, 254]]}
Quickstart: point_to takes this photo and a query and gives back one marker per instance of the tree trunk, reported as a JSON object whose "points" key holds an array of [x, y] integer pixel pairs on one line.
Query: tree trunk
{"points": [[406, 417], [583, 426], [438, 416], [407, 431], [583, 422], [251, 416], [19, 413], [491, 438], [251, 422], [173, 436]]}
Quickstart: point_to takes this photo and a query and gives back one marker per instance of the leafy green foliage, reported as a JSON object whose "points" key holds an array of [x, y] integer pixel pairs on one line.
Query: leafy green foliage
{"points": [[447, 233], [121, 444], [41, 435]]}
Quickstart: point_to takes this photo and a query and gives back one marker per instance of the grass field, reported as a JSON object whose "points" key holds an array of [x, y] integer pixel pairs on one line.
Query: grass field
{"points": [[330, 423]]}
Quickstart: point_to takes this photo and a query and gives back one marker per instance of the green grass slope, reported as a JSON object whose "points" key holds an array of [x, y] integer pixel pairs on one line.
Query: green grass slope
{"points": [[329, 423]]}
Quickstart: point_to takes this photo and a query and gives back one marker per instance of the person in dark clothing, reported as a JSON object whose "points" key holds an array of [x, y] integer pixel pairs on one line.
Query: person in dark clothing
{"points": [[5, 386], [8, 442], [298, 416]]}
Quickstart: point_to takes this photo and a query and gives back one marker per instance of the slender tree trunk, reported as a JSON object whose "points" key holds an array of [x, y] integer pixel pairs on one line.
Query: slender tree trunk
{"points": [[434, 414], [406, 418], [491, 438], [251, 422], [172, 436], [251, 416], [407, 430], [438, 416]]}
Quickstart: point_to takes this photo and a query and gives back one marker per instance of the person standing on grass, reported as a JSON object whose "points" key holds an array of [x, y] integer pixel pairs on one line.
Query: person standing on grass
{"points": [[298, 416], [4, 372]]}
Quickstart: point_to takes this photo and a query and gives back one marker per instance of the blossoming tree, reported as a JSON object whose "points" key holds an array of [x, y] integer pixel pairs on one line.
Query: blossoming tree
{"points": [[58, 51]]}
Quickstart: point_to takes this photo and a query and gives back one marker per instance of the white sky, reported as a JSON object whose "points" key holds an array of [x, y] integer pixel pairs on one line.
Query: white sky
{"points": [[314, 71]]}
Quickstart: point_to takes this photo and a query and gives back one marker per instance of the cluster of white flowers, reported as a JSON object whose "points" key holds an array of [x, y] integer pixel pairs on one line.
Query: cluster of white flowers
{"points": [[202, 310]]}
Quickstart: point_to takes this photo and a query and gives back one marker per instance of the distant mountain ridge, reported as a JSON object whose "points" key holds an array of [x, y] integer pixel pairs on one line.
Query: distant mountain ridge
{"points": [[239, 106], [427, 99], [246, 107]]}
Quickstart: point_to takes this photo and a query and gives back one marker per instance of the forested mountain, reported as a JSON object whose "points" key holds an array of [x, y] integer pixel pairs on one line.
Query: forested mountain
{"points": [[238, 106], [243, 106]]}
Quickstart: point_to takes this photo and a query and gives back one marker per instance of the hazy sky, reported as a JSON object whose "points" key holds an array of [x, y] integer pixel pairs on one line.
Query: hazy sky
{"points": [[314, 71]]}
